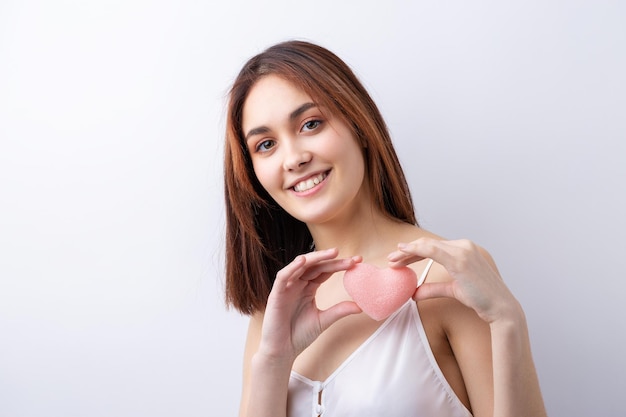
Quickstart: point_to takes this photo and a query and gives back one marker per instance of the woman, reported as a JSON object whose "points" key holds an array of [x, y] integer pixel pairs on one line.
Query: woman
{"points": [[313, 186]]}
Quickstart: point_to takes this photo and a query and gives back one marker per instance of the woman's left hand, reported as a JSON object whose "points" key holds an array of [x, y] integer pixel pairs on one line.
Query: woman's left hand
{"points": [[475, 280]]}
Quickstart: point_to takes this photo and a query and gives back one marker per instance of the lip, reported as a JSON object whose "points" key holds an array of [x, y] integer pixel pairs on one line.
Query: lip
{"points": [[306, 177]]}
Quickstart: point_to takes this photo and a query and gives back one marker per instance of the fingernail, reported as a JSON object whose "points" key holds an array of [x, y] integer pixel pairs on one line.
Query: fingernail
{"points": [[402, 245]]}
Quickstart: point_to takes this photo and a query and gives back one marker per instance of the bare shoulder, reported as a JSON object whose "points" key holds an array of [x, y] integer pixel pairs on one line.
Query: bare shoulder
{"points": [[410, 232]]}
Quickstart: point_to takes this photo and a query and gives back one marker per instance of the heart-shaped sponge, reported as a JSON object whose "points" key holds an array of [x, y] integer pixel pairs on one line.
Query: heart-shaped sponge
{"points": [[379, 292]]}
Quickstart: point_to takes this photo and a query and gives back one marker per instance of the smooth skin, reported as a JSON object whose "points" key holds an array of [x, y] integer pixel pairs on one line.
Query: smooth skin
{"points": [[475, 327]]}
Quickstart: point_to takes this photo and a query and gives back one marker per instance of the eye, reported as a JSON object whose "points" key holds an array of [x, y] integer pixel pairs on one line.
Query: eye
{"points": [[265, 145], [311, 125]]}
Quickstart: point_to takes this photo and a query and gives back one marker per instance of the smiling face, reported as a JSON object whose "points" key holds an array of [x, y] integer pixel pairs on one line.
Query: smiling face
{"points": [[307, 160]]}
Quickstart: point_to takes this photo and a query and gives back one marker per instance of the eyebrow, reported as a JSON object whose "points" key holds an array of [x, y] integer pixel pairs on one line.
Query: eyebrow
{"points": [[293, 115]]}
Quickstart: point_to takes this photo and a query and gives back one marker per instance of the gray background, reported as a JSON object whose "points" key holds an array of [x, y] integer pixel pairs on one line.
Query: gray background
{"points": [[509, 118]]}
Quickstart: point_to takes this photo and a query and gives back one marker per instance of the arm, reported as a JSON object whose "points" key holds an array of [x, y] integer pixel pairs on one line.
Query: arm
{"points": [[476, 284], [516, 391], [289, 324]]}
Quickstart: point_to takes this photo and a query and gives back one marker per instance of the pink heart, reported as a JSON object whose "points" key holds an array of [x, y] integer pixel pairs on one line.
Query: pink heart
{"points": [[379, 292]]}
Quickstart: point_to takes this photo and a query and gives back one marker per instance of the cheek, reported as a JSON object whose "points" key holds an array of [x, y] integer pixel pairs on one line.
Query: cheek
{"points": [[358, 169], [264, 174], [356, 160]]}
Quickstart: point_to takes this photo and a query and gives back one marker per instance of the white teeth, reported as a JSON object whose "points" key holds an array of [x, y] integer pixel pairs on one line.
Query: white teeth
{"points": [[310, 183]]}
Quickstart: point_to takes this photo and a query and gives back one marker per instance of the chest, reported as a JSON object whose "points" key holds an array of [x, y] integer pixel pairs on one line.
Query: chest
{"points": [[392, 372], [335, 345]]}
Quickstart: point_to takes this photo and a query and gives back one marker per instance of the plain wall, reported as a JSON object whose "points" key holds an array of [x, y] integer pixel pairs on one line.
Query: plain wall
{"points": [[509, 118]]}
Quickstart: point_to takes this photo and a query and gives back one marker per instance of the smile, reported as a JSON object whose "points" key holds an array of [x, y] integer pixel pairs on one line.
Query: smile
{"points": [[310, 183]]}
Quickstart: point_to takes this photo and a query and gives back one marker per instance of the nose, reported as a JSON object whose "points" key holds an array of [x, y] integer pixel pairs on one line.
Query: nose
{"points": [[295, 157]]}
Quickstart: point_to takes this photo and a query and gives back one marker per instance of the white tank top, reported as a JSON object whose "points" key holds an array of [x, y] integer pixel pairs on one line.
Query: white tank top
{"points": [[392, 374]]}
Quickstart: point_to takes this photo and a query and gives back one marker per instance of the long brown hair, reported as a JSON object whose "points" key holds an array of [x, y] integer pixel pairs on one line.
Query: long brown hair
{"points": [[261, 237]]}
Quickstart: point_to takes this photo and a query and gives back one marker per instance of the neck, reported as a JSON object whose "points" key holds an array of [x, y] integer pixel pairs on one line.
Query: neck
{"points": [[367, 232]]}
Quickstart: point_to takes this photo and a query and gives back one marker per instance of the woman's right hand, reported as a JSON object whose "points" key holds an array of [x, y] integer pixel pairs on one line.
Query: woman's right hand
{"points": [[292, 320]]}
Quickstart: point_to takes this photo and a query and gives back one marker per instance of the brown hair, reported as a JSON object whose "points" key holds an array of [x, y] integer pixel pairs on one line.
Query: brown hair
{"points": [[261, 237]]}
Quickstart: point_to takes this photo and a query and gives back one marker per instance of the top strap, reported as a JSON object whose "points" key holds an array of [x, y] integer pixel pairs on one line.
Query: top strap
{"points": [[423, 276]]}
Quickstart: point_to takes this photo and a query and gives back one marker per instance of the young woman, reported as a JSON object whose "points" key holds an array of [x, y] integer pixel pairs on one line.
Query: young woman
{"points": [[313, 186]]}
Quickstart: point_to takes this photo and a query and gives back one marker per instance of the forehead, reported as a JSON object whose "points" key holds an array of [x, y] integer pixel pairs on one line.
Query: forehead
{"points": [[270, 100]]}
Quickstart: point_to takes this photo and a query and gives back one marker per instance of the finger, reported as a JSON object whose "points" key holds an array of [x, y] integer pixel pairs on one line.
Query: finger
{"points": [[320, 276], [327, 268], [397, 259], [442, 252], [357, 259], [296, 268], [319, 279], [285, 276], [434, 290], [336, 312]]}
